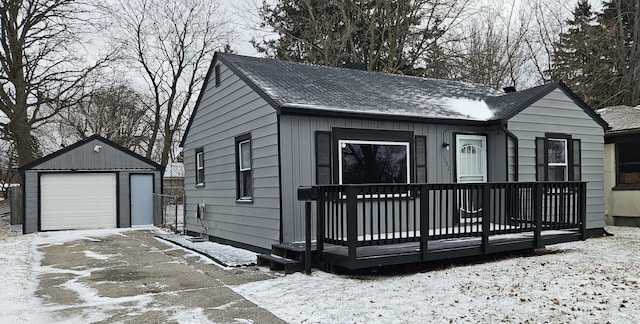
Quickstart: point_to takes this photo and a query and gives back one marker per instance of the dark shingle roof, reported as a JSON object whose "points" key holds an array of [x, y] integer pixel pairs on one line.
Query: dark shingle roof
{"points": [[621, 118], [504, 106], [291, 87], [305, 86]]}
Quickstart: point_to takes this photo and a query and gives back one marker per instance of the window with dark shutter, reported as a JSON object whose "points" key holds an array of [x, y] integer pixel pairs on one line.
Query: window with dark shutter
{"points": [[558, 158]]}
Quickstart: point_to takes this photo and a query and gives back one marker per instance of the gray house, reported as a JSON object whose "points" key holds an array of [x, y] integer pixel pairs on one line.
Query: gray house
{"points": [[94, 183], [262, 128]]}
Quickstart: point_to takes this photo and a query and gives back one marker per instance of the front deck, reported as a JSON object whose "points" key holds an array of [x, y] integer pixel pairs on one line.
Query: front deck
{"points": [[361, 226]]}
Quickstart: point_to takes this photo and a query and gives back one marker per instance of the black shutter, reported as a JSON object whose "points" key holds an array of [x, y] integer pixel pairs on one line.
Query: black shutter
{"points": [[541, 159], [577, 161], [323, 157], [421, 159]]}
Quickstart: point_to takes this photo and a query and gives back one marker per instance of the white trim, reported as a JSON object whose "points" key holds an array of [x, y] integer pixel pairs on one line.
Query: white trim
{"points": [[564, 164], [483, 147], [243, 170], [405, 144], [199, 166], [241, 166]]}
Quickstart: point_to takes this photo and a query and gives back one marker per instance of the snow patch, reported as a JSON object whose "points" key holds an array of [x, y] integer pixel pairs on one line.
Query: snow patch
{"points": [[474, 109], [98, 256], [187, 316]]}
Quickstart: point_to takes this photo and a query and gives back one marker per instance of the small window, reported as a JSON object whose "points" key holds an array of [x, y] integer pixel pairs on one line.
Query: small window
{"points": [[628, 163], [199, 167], [244, 168], [557, 159], [373, 162]]}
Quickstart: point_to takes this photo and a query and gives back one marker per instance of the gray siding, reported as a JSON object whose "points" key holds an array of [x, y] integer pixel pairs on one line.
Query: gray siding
{"points": [[85, 159], [557, 113], [225, 112], [297, 140]]}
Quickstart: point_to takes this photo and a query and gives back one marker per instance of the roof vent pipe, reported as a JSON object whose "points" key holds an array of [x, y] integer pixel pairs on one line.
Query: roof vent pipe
{"points": [[509, 89]]}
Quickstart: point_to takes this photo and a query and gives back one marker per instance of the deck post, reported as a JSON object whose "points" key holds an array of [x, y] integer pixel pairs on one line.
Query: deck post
{"points": [[352, 223], [537, 215], [583, 211], [307, 194], [320, 222], [307, 235], [424, 222], [486, 214]]}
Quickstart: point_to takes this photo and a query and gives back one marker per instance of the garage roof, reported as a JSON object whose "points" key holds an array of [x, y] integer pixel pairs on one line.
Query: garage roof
{"points": [[93, 153]]}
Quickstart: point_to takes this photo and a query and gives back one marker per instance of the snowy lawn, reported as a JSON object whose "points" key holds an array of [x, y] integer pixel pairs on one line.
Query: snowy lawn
{"points": [[594, 281]]}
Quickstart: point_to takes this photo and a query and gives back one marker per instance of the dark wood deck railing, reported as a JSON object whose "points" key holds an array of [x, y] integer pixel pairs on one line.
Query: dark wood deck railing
{"points": [[381, 214]]}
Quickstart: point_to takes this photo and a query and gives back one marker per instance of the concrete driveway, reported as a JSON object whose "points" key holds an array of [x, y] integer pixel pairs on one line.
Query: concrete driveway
{"points": [[132, 277]]}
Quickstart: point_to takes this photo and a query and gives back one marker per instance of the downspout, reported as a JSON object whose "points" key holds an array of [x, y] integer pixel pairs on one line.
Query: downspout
{"points": [[516, 171]]}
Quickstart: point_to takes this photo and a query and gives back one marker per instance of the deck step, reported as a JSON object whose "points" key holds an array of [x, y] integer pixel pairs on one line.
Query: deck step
{"points": [[286, 256], [279, 263]]}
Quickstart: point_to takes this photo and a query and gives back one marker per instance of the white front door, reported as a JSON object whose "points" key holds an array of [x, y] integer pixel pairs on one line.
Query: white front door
{"points": [[471, 158], [471, 167]]}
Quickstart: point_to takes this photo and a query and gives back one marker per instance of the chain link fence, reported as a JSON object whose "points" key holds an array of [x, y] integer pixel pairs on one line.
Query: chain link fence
{"points": [[170, 211]]}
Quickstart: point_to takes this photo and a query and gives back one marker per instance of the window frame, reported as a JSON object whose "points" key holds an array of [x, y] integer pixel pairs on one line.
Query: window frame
{"points": [[565, 164], [619, 184], [408, 157], [243, 172], [199, 167], [573, 157]]}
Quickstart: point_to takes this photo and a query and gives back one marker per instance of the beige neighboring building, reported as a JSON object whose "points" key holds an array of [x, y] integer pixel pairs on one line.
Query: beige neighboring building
{"points": [[622, 165]]}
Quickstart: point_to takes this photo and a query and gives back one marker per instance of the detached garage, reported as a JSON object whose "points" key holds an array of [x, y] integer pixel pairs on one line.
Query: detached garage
{"points": [[92, 184]]}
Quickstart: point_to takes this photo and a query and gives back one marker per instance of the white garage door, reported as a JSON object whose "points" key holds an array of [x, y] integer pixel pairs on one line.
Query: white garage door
{"points": [[77, 201]]}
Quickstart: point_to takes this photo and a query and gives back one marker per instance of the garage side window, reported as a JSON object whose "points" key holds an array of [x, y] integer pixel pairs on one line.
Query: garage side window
{"points": [[244, 169], [199, 167]]}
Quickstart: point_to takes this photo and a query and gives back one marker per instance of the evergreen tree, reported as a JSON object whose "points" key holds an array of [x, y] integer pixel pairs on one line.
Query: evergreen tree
{"points": [[397, 36], [621, 19], [582, 59]]}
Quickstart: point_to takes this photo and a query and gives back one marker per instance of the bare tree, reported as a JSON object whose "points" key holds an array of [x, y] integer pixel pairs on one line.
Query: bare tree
{"points": [[169, 44], [490, 48], [113, 109], [40, 70], [8, 167], [547, 19]]}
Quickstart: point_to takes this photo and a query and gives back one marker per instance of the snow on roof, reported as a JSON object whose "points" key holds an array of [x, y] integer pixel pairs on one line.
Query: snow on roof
{"points": [[305, 86], [174, 170]]}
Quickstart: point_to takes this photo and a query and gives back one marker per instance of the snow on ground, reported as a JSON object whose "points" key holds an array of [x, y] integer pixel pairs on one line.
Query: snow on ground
{"points": [[20, 268], [224, 255], [591, 281]]}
